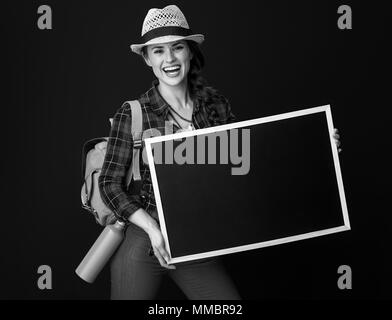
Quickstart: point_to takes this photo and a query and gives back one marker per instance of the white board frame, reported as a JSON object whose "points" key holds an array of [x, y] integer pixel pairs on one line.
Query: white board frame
{"points": [[247, 123]]}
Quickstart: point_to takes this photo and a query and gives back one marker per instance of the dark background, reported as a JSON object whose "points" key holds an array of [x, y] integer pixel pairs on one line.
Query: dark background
{"points": [[60, 86]]}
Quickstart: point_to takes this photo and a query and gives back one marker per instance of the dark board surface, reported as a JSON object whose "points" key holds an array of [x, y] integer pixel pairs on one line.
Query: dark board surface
{"points": [[290, 189]]}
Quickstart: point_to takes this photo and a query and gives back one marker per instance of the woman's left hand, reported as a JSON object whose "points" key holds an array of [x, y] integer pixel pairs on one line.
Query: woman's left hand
{"points": [[336, 137]]}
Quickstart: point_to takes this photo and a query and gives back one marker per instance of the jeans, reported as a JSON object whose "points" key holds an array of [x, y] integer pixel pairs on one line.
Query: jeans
{"points": [[137, 276]]}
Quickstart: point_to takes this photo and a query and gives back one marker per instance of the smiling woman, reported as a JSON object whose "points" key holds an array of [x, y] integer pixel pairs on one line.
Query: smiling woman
{"points": [[179, 95], [170, 63], [171, 58]]}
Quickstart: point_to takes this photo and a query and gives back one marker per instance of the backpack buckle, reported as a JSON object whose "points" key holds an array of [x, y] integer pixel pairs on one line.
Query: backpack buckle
{"points": [[137, 143], [91, 210], [87, 207]]}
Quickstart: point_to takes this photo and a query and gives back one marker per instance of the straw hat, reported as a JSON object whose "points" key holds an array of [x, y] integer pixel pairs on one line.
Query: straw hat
{"points": [[163, 26]]}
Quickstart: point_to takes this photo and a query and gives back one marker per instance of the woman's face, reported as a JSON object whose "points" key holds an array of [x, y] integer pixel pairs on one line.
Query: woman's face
{"points": [[170, 62]]}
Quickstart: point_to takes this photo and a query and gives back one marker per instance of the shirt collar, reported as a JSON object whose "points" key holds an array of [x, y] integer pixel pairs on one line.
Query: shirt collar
{"points": [[159, 104]]}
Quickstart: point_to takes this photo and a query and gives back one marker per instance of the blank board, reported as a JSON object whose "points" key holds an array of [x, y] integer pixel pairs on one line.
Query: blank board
{"points": [[286, 186]]}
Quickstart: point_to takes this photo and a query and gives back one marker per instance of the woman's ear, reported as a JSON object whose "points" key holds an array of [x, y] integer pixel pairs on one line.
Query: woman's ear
{"points": [[146, 59]]}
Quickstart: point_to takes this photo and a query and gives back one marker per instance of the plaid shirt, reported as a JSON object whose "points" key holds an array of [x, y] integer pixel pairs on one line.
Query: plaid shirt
{"points": [[120, 145]]}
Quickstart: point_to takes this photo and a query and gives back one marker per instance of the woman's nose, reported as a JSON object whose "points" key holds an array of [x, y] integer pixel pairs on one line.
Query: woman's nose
{"points": [[170, 56]]}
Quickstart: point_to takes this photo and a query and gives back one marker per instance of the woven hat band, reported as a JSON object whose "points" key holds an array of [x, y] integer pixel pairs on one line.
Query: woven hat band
{"points": [[165, 31]]}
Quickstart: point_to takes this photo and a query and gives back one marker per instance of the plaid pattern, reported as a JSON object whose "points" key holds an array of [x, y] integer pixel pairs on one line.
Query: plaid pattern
{"points": [[120, 145]]}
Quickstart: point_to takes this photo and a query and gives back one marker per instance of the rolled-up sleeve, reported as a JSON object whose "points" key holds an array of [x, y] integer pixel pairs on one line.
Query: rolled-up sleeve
{"points": [[118, 158]]}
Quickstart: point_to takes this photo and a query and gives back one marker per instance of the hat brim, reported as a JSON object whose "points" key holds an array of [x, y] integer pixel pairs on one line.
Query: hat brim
{"points": [[137, 48]]}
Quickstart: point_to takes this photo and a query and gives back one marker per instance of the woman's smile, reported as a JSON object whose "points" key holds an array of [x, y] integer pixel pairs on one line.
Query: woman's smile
{"points": [[172, 71]]}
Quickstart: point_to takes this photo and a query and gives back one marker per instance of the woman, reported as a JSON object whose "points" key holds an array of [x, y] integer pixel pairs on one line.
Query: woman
{"points": [[181, 96]]}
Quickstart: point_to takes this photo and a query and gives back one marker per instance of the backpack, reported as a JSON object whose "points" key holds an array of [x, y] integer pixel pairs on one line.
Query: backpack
{"points": [[93, 155]]}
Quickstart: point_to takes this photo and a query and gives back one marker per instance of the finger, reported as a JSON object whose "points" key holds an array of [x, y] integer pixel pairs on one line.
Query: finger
{"points": [[166, 256], [169, 266], [162, 261], [162, 251], [339, 150], [159, 257], [336, 136], [336, 130]]}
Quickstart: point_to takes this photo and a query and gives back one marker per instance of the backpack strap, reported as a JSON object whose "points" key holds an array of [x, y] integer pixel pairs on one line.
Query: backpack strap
{"points": [[137, 132]]}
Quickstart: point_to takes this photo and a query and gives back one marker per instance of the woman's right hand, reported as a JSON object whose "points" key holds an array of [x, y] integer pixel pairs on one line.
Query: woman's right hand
{"points": [[143, 220], [158, 245]]}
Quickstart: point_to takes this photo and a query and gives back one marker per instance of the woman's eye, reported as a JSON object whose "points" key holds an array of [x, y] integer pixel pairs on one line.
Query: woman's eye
{"points": [[158, 51], [178, 48]]}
